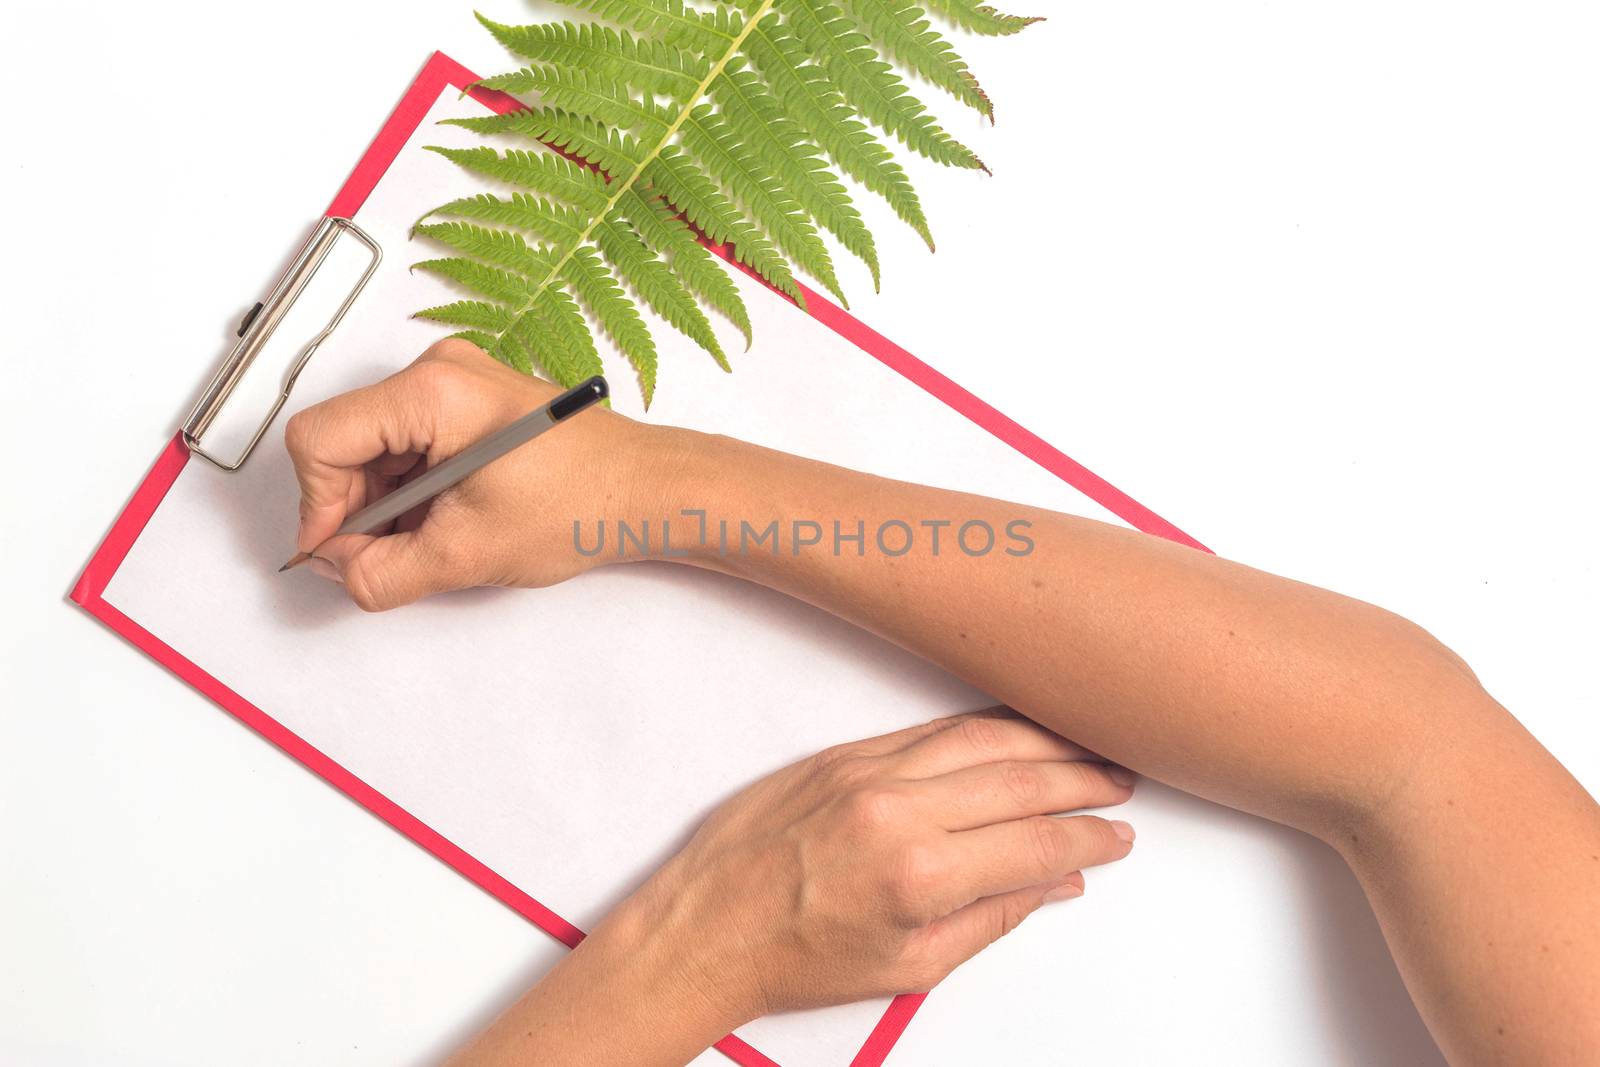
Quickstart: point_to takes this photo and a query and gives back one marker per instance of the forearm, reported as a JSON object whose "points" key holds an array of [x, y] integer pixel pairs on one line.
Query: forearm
{"points": [[1326, 713], [627, 994], [1256, 691]]}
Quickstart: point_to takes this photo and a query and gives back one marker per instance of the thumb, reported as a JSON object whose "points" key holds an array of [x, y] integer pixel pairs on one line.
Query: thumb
{"points": [[387, 572]]}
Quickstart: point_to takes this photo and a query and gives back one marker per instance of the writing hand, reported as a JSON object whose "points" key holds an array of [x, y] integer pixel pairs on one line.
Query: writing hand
{"points": [[508, 524]]}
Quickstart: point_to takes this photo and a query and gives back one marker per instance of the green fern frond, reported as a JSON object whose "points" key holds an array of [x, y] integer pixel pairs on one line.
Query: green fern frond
{"points": [[660, 288], [870, 85], [727, 156], [553, 222], [498, 247], [897, 26], [664, 232], [610, 150], [668, 21], [491, 318], [501, 286], [616, 314], [675, 175], [558, 337], [645, 64], [543, 172], [592, 96], [784, 150], [980, 18], [806, 94], [735, 119], [485, 341]]}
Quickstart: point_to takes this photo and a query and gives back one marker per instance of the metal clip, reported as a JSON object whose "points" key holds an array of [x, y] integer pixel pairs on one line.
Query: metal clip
{"points": [[257, 330]]}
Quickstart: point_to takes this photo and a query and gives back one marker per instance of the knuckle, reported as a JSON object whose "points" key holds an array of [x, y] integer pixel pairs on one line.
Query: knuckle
{"points": [[829, 758], [912, 879], [1009, 916], [1085, 778], [1049, 841], [453, 349], [444, 379], [875, 810], [983, 735], [450, 558], [1023, 781], [840, 767], [1106, 841], [919, 972], [363, 590], [298, 431]]}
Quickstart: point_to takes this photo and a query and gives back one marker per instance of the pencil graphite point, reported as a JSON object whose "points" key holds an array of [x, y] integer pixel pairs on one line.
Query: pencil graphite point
{"points": [[299, 558]]}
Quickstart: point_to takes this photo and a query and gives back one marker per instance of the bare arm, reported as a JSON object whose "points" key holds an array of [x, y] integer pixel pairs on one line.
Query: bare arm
{"points": [[1480, 854]]}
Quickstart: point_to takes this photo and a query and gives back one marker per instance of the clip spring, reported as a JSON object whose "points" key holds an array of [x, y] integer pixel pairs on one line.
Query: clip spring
{"points": [[257, 329]]}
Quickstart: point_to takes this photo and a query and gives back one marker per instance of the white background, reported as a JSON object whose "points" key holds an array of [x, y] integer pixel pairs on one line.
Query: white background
{"points": [[1328, 305]]}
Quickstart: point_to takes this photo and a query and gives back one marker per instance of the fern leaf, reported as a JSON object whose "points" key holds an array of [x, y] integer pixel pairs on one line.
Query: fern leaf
{"points": [[641, 62], [555, 334], [543, 172], [703, 204], [514, 347], [654, 281], [725, 153], [501, 286], [662, 231], [869, 84], [553, 222], [584, 93], [588, 275], [980, 18], [498, 247], [783, 148], [485, 341], [471, 313], [669, 21], [610, 150], [897, 26], [731, 117], [508, 347], [723, 143], [803, 90]]}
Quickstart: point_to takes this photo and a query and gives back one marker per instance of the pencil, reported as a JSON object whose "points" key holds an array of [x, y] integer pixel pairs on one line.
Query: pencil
{"points": [[468, 461]]}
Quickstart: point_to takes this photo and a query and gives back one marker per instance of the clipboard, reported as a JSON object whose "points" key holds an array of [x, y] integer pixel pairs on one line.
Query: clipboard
{"points": [[340, 221]]}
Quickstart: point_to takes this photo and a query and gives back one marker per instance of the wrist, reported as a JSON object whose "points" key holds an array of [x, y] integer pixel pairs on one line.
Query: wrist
{"points": [[675, 500], [626, 994], [676, 964]]}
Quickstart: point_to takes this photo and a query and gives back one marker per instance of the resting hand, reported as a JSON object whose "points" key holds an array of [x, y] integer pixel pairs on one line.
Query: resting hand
{"points": [[871, 869], [885, 863]]}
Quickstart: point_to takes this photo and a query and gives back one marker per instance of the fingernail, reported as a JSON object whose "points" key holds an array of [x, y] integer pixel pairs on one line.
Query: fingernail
{"points": [[1064, 891], [1122, 776], [325, 569], [1122, 830]]}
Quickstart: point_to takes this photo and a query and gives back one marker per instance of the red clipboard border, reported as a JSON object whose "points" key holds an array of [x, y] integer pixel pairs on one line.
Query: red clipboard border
{"points": [[439, 73]]}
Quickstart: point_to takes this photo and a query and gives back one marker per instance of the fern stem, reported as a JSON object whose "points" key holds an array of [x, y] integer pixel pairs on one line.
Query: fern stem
{"points": [[621, 187]]}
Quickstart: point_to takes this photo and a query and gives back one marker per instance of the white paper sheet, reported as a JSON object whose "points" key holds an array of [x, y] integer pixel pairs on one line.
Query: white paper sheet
{"points": [[461, 708]]}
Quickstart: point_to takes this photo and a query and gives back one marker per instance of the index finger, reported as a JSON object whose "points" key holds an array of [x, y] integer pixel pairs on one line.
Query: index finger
{"points": [[981, 739], [886, 744], [330, 443]]}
